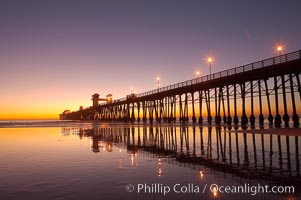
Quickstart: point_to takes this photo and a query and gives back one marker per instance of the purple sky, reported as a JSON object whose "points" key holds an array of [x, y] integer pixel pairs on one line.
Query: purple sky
{"points": [[55, 54]]}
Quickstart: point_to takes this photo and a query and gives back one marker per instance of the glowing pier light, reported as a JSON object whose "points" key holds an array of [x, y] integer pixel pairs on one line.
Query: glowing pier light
{"points": [[158, 82], [280, 49], [209, 61]]}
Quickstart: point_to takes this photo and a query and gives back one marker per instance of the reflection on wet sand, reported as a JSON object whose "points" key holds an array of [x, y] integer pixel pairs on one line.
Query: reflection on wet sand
{"points": [[241, 153]]}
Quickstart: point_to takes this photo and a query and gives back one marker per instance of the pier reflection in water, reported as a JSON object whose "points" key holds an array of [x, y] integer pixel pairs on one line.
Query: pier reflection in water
{"points": [[267, 156]]}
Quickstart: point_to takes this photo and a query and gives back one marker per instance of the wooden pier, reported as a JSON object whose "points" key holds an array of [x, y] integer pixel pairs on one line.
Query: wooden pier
{"points": [[268, 89]]}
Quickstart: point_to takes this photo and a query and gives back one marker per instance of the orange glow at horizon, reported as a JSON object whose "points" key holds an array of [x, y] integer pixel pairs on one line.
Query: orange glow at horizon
{"points": [[31, 105]]}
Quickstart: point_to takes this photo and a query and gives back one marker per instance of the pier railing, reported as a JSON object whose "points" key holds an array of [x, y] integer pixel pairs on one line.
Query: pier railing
{"points": [[296, 55], [256, 65]]}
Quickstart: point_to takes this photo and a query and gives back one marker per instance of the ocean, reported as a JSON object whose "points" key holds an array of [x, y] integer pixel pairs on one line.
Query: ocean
{"points": [[101, 160]]}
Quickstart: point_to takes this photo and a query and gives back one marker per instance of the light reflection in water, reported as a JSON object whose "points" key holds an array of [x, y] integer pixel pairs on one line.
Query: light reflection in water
{"points": [[214, 191], [133, 159], [217, 148], [214, 147], [159, 167], [201, 174]]}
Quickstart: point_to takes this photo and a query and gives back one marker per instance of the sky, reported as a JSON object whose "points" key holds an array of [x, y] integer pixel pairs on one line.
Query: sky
{"points": [[55, 54]]}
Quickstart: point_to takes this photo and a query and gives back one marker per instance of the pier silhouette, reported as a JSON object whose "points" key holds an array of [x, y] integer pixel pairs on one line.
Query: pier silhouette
{"points": [[265, 90]]}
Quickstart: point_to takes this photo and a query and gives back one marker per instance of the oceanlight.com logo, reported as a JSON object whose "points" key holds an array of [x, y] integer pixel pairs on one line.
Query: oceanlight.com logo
{"points": [[252, 189], [215, 189]]}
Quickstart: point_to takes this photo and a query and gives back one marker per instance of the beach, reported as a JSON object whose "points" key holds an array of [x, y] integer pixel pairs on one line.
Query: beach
{"points": [[76, 160]]}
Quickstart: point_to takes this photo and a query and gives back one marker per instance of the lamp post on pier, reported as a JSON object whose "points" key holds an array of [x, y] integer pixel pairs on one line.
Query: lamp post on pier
{"points": [[158, 82], [209, 61], [279, 49]]}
